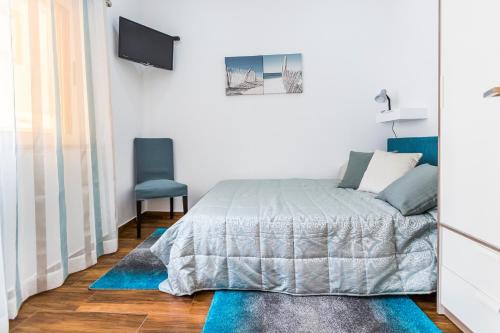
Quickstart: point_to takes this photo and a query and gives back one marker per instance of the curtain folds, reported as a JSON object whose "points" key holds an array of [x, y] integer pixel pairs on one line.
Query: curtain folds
{"points": [[57, 197]]}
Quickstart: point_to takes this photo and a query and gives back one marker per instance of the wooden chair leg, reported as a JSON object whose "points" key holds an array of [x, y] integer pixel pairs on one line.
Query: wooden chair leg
{"points": [[185, 204], [139, 218], [171, 208]]}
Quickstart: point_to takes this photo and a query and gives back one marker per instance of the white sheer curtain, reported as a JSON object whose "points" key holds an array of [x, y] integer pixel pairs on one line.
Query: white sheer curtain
{"points": [[57, 198]]}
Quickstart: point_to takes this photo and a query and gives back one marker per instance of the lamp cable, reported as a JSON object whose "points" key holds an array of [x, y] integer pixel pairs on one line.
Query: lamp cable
{"points": [[393, 129]]}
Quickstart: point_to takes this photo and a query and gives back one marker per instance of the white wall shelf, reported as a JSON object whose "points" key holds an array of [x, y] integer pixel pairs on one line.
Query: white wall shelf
{"points": [[402, 114]]}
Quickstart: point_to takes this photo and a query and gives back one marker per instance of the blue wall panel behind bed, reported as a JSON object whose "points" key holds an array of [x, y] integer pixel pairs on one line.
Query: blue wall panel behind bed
{"points": [[428, 146]]}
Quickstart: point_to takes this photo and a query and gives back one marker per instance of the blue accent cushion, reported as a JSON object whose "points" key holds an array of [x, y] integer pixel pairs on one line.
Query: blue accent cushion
{"points": [[414, 193], [356, 167], [427, 146], [160, 188]]}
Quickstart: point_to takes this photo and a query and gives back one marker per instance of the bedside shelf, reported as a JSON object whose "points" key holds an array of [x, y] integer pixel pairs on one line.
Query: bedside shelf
{"points": [[402, 114]]}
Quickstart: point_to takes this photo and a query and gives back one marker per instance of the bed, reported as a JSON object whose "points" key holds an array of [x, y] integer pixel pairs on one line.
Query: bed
{"points": [[301, 237]]}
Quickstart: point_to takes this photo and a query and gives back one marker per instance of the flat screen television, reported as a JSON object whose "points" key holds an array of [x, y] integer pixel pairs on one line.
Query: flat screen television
{"points": [[144, 45]]}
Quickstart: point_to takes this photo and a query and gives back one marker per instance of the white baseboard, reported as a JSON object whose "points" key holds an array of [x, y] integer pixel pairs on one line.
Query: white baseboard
{"points": [[455, 320], [121, 224]]}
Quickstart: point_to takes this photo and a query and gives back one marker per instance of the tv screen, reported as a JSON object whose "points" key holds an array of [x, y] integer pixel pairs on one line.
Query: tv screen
{"points": [[144, 45]]}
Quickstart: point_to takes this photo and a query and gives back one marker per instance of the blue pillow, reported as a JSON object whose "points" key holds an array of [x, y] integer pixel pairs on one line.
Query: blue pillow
{"points": [[356, 167], [414, 193]]}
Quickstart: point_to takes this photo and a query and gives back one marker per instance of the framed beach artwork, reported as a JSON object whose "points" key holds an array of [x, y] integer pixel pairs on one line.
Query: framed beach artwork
{"points": [[268, 74]]}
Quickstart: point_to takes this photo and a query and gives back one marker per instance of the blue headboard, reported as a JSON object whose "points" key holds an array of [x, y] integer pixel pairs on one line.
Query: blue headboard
{"points": [[428, 146]]}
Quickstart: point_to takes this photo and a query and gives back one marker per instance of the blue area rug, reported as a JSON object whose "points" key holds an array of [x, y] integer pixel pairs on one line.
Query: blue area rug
{"points": [[249, 311], [245, 312], [139, 270]]}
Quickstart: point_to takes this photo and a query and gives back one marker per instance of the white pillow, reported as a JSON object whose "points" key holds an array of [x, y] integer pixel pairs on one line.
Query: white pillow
{"points": [[342, 170], [385, 168]]}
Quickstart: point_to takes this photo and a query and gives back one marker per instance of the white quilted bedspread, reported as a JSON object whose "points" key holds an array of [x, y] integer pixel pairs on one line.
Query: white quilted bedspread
{"points": [[297, 236]]}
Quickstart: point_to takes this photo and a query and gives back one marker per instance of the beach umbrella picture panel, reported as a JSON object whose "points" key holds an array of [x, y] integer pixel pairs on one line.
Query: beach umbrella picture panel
{"points": [[269, 74], [283, 74], [244, 76]]}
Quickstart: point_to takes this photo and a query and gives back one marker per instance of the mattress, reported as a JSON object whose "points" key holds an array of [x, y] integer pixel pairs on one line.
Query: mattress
{"points": [[300, 237]]}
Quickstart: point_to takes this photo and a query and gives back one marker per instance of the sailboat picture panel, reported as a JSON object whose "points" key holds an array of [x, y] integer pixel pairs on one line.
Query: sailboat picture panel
{"points": [[244, 76], [283, 74]]}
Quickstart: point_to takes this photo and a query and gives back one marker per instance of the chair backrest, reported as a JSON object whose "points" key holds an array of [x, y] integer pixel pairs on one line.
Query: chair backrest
{"points": [[154, 159]]}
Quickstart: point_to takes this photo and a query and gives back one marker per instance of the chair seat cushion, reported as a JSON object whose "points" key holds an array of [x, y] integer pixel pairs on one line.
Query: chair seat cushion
{"points": [[160, 188]]}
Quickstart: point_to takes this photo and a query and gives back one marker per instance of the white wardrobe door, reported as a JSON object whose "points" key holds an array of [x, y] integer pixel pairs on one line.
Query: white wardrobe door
{"points": [[470, 124]]}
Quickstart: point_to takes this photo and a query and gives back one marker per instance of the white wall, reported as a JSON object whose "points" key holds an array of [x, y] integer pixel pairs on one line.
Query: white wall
{"points": [[127, 106], [351, 49], [413, 70]]}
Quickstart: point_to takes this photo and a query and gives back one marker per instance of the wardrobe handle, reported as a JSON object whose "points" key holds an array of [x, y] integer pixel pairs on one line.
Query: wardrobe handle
{"points": [[493, 92], [488, 301]]}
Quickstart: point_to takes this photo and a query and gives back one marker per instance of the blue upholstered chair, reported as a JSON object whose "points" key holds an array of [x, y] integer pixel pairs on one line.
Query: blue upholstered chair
{"points": [[154, 173]]}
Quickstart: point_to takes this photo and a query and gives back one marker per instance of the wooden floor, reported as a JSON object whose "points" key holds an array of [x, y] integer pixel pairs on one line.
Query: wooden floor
{"points": [[74, 308]]}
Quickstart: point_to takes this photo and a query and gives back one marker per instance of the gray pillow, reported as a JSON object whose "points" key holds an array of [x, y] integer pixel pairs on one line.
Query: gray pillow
{"points": [[414, 193], [356, 167]]}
